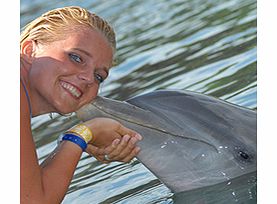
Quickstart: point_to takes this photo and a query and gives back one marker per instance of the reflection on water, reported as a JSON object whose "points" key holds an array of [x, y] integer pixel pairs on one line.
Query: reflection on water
{"points": [[204, 46]]}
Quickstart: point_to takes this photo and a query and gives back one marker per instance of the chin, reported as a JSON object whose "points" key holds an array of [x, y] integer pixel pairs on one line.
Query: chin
{"points": [[65, 110], [64, 107]]}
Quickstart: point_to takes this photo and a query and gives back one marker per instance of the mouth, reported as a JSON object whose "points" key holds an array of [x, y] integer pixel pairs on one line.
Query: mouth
{"points": [[73, 90]]}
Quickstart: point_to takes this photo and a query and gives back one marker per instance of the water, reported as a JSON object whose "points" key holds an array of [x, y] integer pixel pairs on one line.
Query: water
{"points": [[203, 46]]}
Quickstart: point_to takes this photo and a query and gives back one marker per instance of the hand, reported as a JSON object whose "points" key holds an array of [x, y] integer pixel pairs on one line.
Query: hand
{"points": [[106, 130], [123, 150], [112, 139]]}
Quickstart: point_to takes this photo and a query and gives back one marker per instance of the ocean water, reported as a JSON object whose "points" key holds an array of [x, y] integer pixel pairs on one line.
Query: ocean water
{"points": [[207, 46]]}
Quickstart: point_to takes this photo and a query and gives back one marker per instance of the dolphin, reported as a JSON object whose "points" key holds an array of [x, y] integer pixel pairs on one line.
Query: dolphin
{"points": [[190, 140]]}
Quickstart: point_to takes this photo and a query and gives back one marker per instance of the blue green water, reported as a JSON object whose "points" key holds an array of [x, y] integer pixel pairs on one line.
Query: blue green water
{"points": [[207, 46]]}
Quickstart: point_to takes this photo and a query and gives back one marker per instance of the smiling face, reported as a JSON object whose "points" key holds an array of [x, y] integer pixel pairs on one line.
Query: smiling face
{"points": [[66, 74]]}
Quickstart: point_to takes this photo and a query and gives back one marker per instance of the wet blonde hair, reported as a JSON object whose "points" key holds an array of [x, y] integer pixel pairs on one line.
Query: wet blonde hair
{"points": [[55, 24]]}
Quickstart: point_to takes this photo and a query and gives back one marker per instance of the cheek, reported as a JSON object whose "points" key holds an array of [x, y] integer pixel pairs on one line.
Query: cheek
{"points": [[39, 73], [48, 68], [43, 76], [91, 94]]}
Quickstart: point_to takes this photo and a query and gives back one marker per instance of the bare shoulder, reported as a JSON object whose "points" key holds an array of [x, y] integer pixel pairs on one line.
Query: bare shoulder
{"points": [[27, 146], [26, 139], [29, 167], [24, 108], [25, 120]]}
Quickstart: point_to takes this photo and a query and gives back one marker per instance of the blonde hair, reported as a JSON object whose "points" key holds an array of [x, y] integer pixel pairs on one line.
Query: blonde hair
{"points": [[53, 25]]}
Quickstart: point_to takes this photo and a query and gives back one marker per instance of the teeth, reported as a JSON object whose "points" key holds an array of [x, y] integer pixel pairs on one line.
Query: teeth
{"points": [[75, 92]]}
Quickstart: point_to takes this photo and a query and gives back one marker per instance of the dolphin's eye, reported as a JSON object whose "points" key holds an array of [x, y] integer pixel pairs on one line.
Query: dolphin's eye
{"points": [[243, 155]]}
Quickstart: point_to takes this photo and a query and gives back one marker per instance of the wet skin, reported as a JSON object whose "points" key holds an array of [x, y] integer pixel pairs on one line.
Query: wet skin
{"points": [[66, 74]]}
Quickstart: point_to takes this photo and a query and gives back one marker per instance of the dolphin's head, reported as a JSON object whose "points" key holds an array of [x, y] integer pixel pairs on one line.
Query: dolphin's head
{"points": [[105, 107], [118, 110], [188, 141]]}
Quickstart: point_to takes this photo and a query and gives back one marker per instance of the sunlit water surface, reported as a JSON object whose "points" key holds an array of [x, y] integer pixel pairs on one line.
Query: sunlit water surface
{"points": [[207, 46]]}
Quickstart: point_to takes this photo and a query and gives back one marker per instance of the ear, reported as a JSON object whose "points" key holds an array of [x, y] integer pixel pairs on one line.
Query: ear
{"points": [[28, 50]]}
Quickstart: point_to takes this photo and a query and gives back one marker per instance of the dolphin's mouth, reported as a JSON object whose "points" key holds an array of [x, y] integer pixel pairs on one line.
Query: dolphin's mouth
{"points": [[198, 138], [158, 129]]}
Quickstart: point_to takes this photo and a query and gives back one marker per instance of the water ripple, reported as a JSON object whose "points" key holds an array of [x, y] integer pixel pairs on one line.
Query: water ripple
{"points": [[203, 46]]}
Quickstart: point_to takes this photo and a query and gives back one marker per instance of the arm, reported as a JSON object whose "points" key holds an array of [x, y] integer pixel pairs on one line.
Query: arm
{"points": [[47, 184]]}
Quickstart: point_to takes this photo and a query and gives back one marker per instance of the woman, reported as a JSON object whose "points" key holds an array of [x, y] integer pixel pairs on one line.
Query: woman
{"points": [[65, 55]]}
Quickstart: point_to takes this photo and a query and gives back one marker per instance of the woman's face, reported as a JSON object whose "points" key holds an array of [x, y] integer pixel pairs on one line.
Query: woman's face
{"points": [[66, 74]]}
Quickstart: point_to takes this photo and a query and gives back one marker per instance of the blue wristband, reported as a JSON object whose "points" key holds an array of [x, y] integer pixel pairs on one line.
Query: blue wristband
{"points": [[75, 139]]}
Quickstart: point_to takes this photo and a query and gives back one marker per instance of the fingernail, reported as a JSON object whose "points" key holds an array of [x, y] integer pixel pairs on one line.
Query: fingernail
{"points": [[116, 142], [133, 140], [126, 138], [139, 136]]}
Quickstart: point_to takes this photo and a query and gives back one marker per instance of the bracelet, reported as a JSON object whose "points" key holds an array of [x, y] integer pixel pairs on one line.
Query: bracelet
{"points": [[75, 139], [82, 131]]}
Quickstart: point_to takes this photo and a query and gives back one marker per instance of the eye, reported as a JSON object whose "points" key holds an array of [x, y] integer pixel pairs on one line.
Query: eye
{"points": [[99, 78], [243, 155], [75, 58]]}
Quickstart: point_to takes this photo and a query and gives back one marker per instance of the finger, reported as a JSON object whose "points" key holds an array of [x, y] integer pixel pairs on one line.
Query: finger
{"points": [[131, 155], [96, 152], [112, 147], [114, 155], [128, 149], [122, 130], [108, 150], [93, 150]]}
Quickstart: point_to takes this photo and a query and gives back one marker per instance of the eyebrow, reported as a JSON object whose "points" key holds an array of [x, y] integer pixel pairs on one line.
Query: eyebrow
{"points": [[106, 69], [83, 51]]}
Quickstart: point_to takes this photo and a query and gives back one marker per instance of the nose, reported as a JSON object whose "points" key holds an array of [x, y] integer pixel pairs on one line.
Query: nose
{"points": [[87, 76]]}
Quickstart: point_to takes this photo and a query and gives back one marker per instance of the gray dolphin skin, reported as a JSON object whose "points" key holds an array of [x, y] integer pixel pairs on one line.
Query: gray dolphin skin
{"points": [[190, 140]]}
